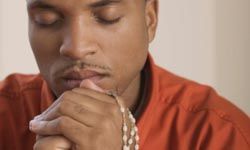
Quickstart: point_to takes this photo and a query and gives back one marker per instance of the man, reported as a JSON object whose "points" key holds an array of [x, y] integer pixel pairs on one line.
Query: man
{"points": [[88, 48]]}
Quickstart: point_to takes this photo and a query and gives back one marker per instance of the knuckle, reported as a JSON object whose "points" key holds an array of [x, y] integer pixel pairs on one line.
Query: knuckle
{"points": [[64, 101], [38, 146], [79, 109], [66, 95], [80, 90], [62, 123], [51, 143], [62, 106], [115, 111], [105, 123]]}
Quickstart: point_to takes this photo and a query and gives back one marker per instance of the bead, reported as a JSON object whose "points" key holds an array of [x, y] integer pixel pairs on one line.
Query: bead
{"points": [[134, 138], [122, 109], [125, 128], [130, 141], [137, 138], [133, 120], [132, 132], [130, 115], [136, 147], [125, 147], [125, 138]]}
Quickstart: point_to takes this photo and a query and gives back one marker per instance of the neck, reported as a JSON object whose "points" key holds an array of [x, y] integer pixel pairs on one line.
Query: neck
{"points": [[132, 94]]}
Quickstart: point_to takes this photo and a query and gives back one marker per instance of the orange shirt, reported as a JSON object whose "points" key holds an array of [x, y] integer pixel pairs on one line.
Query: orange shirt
{"points": [[180, 114]]}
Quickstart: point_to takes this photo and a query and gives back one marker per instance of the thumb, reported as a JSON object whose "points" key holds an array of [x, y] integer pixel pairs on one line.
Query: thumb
{"points": [[53, 142], [91, 85]]}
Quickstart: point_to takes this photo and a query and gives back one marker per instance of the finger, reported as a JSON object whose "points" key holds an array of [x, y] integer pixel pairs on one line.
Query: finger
{"points": [[53, 143], [88, 88], [97, 92], [94, 91], [83, 114], [96, 95], [38, 137], [84, 84], [77, 112], [91, 89], [73, 103], [48, 109], [80, 113], [66, 126], [90, 85]]}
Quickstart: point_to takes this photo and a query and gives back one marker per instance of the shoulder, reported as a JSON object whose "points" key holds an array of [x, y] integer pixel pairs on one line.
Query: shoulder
{"points": [[14, 84], [193, 96], [16, 90], [19, 89], [20, 98], [201, 107]]}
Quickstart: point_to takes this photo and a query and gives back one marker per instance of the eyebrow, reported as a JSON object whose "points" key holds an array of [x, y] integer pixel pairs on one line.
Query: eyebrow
{"points": [[39, 4], [102, 3], [45, 5]]}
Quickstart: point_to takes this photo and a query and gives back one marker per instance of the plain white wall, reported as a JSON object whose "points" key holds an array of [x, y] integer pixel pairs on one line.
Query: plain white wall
{"points": [[185, 43], [15, 52], [207, 41], [233, 50]]}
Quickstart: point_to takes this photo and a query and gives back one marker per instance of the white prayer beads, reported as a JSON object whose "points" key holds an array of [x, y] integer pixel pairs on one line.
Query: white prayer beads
{"points": [[133, 135]]}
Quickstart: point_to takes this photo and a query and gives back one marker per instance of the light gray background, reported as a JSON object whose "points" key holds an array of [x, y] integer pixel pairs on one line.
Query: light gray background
{"points": [[204, 40]]}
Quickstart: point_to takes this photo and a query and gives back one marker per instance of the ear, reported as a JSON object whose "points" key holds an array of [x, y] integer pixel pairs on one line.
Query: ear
{"points": [[151, 14]]}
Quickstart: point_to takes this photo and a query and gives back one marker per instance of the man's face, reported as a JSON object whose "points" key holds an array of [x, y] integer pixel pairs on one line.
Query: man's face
{"points": [[105, 41]]}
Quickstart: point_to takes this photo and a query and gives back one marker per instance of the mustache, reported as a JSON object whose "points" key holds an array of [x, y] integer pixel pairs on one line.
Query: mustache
{"points": [[81, 65], [105, 69]]}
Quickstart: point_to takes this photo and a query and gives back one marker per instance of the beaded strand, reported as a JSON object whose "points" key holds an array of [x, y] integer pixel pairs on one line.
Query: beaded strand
{"points": [[133, 135]]}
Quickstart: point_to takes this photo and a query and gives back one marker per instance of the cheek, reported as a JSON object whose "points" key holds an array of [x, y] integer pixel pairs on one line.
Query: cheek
{"points": [[129, 44], [45, 48], [127, 49]]}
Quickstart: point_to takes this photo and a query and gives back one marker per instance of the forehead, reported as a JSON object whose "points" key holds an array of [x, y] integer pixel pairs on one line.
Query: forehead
{"points": [[72, 3]]}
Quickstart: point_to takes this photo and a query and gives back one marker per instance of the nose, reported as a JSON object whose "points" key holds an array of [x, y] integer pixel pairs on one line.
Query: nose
{"points": [[78, 41]]}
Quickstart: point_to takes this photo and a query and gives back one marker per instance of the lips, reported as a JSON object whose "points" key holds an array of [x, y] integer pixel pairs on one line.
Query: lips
{"points": [[73, 79]]}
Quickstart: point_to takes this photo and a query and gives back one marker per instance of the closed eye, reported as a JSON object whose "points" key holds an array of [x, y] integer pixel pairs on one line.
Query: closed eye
{"points": [[107, 21]]}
